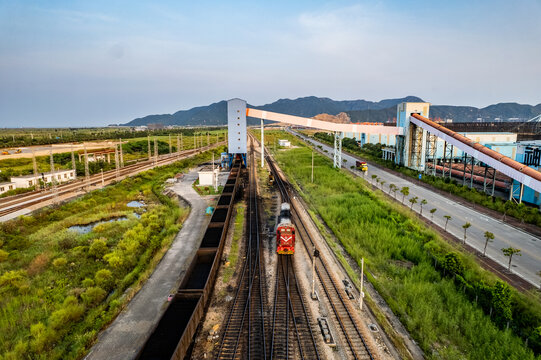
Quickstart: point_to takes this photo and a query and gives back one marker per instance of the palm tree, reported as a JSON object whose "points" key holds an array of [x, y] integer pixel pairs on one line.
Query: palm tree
{"points": [[447, 218], [382, 182], [405, 191], [423, 202], [393, 188], [489, 237], [432, 211], [373, 177], [465, 227], [413, 200], [510, 251]]}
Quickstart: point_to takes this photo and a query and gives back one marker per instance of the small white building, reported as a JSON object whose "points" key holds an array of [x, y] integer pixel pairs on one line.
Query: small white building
{"points": [[7, 186], [208, 177], [283, 142], [60, 176]]}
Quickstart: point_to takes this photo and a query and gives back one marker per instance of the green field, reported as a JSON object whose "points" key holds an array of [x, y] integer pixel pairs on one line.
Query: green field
{"points": [[453, 308], [58, 287]]}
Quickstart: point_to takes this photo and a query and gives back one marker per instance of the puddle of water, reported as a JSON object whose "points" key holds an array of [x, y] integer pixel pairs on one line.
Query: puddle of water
{"points": [[135, 204], [85, 229]]}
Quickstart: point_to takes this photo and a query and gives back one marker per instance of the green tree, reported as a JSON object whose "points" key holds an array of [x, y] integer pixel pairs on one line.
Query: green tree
{"points": [[510, 251], [405, 191], [432, 211], [501, 302], [382, 182], [508, 205], [465, 227], [489, 237], [521, 212], [374, 176], [393, 188], [423, 202], [447, 218], [453, 263], [413, 201]]}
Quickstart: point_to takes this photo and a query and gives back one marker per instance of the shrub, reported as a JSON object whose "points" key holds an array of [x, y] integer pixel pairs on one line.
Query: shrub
{"points": [[13, 279], [115, 259], [501, 302], [453, 263], [3, 255], [98, 248], [104, 278], [88, 283], [71, 311], [60, 262], [42, 337], [93, 295], [38, 264]]}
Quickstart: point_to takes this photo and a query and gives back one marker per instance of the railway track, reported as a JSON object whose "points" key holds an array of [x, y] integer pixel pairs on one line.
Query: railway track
{"points": [[291, 336], [343, 313], [12, 204], [244, 335]]}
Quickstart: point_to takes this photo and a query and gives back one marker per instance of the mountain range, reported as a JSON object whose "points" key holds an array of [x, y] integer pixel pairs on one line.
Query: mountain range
{"points": [[356, 110]]}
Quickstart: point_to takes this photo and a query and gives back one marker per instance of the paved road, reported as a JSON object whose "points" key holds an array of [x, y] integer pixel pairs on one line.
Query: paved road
{"points": [[124, 338], [526, 266]]}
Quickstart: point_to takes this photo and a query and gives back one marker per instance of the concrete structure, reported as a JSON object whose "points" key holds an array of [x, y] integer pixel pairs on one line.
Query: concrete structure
{"points": [[236, 126], [7, 186], [284, 143], [60, 176], [411, 145], [208, 177]]}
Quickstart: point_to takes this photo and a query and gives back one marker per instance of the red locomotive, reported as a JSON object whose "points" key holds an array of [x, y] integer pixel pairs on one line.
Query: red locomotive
{"points": [[285, 232]]}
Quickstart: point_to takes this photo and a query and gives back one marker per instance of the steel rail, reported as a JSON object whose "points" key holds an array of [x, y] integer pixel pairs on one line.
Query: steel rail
{"points": [[299, 224], [8, 207]]}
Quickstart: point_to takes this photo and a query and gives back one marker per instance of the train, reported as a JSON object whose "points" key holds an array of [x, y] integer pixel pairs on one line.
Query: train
{"points": [[285, 231]]}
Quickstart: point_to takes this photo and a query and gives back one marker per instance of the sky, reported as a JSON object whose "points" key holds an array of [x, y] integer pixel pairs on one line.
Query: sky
{"points": [[93, 63]]}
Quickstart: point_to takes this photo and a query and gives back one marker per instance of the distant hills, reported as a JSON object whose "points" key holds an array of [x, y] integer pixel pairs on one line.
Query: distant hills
{"points": [[357, 110]]}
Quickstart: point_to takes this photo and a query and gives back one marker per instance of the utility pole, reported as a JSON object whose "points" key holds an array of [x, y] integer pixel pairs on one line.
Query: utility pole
{"points": [[121, 154], [194, 141], [361, 295], [170, 146], [208, 138], [155, 151], [116, 163], [53, 176], [262, 145], [315, 255], [312, 165], [87, 171], [73, 166], [102, 181], [149, 149], [35, 165], [181, 142], [178, 146]]}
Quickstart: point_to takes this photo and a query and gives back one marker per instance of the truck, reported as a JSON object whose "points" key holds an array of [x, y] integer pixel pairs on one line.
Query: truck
{"points": [[361, 165]]}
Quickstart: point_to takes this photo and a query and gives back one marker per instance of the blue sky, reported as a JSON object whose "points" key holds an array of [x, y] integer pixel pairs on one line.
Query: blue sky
{"points": [[91, 63]]}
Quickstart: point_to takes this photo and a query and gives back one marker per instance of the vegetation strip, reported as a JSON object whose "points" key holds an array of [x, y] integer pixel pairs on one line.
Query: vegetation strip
{"points": [[373, 152], [451, 306], [59, 287]]}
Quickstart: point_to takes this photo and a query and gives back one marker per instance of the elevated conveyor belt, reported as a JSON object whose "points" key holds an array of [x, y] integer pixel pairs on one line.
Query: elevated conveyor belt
{"points": [[323, 125], [515, 170]]}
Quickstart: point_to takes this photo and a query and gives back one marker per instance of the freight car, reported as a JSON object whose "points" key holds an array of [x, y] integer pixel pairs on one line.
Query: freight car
{"points": [[285, 232]]}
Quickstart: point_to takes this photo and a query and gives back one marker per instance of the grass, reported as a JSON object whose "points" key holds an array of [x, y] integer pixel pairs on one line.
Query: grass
{"points": [[234, 251], [445, 322], [58, 288], [373, 152]]}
